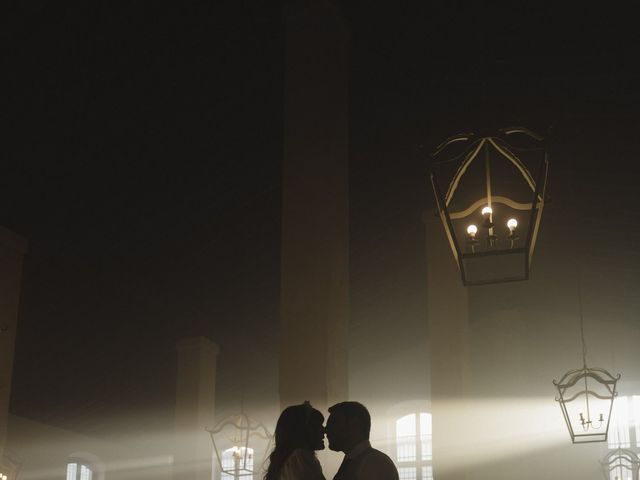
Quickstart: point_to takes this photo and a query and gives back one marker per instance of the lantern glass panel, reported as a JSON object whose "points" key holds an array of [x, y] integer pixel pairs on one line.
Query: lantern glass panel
{"points": [[597, 413]]}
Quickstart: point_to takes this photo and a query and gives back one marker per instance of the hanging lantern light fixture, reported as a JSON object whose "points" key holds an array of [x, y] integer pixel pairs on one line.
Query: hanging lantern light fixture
{"points": [[236, 439], [9, 466], [490, 202], [586, 398], [621, 464]]}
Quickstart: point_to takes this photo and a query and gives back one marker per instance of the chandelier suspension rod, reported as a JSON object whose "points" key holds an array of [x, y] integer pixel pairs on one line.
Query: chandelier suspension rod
{"points": [[576, 260], [487, 166], [584, 344], [581, 314]]}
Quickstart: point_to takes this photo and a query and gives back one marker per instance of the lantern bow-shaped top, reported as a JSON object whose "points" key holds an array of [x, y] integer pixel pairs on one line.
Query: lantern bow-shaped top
{"points": [[620, 464], [491, 204]]}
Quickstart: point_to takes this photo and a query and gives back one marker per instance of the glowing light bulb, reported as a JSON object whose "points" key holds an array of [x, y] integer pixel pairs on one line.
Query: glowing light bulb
{"points": [[512, 224], [472, 230], [236, 453], [487, 211]]}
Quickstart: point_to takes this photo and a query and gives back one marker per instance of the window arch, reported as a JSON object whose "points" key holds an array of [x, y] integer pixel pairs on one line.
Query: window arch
{"points": [[233, 459], [414, 446]]}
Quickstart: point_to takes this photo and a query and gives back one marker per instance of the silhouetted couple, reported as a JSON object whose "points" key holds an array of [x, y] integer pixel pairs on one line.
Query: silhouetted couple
{"points": [[300, 432]]}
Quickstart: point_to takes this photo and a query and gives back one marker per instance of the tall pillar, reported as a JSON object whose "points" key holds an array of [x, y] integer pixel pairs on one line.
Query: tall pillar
{"points": [[195, 402], [314, 302], [448, 323], [12, 249]]}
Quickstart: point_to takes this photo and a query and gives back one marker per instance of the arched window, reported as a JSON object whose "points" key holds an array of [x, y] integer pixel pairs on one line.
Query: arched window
{"points": [[79, 471], [234, 466], [624, 430], [414, 447]]}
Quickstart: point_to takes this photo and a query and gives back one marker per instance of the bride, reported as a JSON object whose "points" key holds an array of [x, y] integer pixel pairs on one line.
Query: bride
{"points": [[299, 432]]}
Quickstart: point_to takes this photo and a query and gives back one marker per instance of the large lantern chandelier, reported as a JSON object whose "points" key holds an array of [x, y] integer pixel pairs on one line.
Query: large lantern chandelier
{"points": [[490, 201], [236, 439], [586, 398], [620, 464]]}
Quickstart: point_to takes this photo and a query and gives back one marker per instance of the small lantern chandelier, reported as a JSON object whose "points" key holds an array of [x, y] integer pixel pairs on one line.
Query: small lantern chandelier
{"points": [[491, 210], [9, 467], [586, 398], [621, 464], [233, 444]]}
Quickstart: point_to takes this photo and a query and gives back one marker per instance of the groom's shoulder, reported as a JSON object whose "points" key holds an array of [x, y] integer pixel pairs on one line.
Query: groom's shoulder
{"points": [[379, 453], [381, 458]]}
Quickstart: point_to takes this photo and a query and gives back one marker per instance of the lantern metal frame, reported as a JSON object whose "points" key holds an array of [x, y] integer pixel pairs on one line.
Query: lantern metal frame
{"points": [[537, 185], [245, 429], [622, 458], [571, 378]]}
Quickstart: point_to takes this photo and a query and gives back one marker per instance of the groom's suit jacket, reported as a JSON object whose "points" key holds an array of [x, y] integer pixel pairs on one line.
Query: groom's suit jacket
{"points": [[366, 463]]}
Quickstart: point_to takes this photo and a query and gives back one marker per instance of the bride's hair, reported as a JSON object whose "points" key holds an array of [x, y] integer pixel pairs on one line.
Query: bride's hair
{"points": [[294, 430]]}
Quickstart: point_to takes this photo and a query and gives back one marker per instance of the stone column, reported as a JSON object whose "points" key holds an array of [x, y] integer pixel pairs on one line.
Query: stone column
{"points": [[12, 249], [448, 321], [314, 302], [195, 402]]}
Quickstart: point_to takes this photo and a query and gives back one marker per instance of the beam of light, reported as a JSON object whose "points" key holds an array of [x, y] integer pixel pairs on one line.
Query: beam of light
{"points": [[476, 433], [470, 433]]}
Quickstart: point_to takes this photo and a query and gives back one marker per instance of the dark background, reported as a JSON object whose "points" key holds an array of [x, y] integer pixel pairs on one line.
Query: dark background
{"points": [[143, 145]]}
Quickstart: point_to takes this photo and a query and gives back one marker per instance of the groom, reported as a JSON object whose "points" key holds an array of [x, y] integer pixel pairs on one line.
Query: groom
{"points": [[348, 430]]}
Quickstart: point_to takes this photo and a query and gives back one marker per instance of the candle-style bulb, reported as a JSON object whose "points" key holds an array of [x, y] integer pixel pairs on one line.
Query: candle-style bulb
{"points": [[487, 212]]}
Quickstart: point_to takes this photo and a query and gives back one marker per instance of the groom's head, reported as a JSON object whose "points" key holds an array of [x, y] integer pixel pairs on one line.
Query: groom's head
{"points": [[349, 423]]}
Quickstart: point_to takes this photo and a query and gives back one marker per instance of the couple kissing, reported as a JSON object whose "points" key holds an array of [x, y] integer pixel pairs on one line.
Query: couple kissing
{"points": [[300, 432]]}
